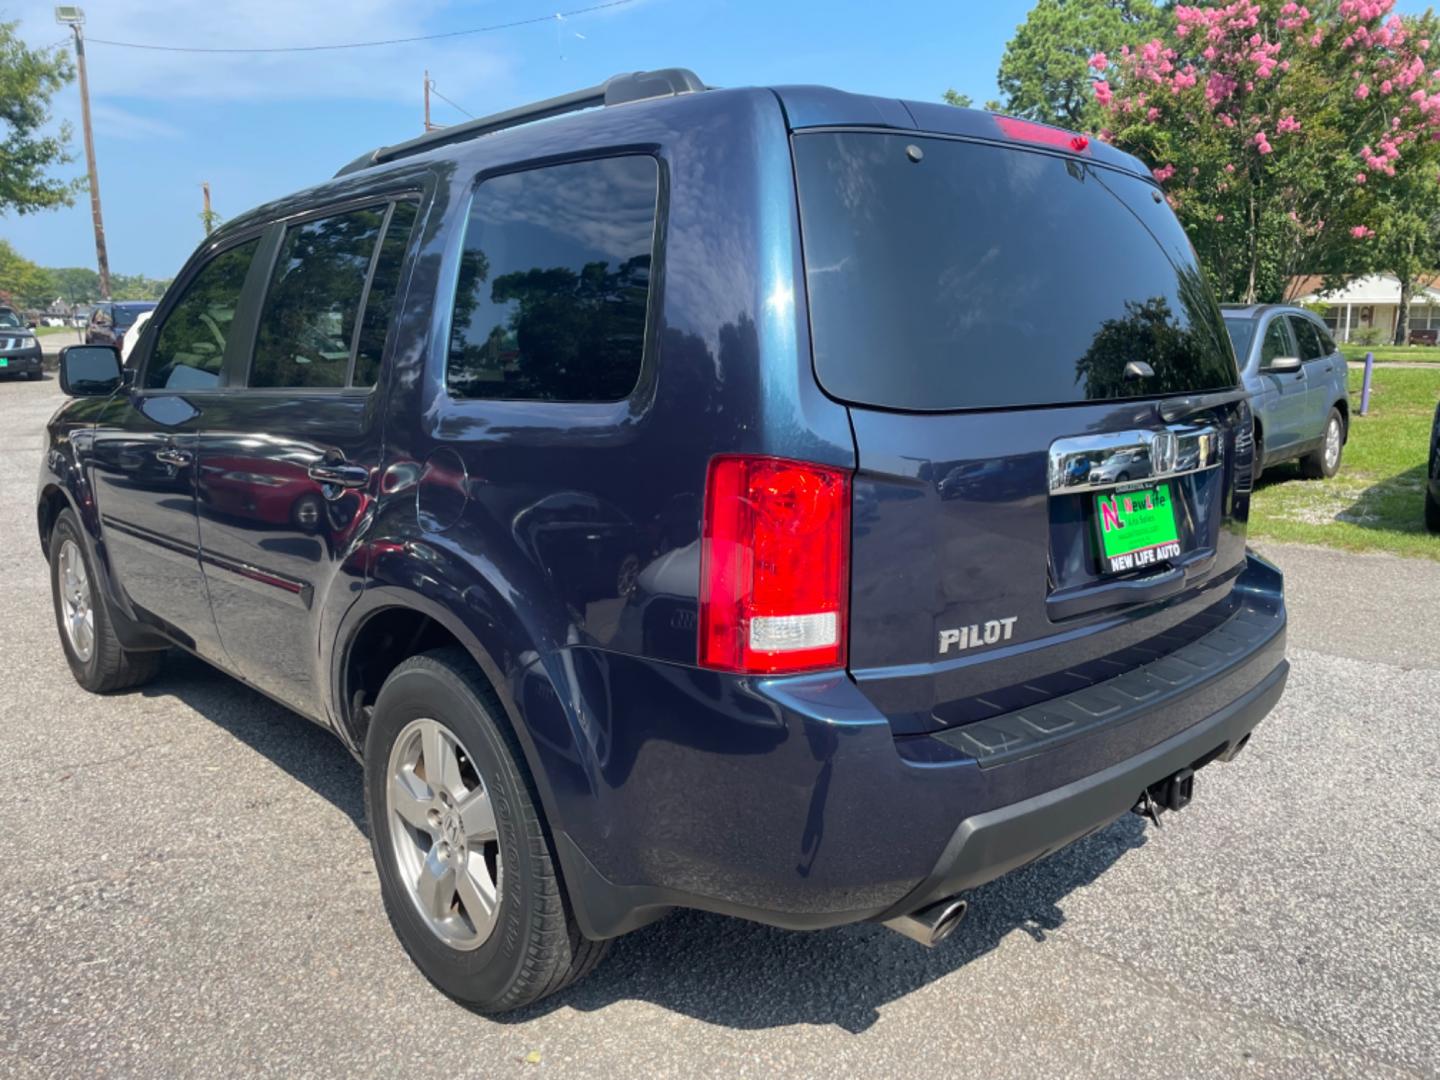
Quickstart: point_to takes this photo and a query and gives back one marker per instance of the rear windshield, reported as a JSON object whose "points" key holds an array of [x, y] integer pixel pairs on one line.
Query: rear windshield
{"points": [[954, 275], [1241, 332], [125, 316]]}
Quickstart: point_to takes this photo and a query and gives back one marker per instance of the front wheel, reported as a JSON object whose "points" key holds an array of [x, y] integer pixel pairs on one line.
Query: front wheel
{"points": [[1432, 511], [97, 659], [467, 873], [1324, 463]]}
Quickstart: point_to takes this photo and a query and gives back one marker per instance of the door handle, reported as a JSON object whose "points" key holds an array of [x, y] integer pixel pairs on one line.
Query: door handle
{"points": [[345, 476], [172, 456]]}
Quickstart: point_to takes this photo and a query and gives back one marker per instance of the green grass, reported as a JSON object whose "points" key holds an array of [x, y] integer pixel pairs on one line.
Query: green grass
{"points": [[1412, 354], [1376, 502], [47, 331]]}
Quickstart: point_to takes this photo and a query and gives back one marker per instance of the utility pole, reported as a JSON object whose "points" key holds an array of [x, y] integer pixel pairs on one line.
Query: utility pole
{"points": [[207, 216], [74, 18], [428, 126]]}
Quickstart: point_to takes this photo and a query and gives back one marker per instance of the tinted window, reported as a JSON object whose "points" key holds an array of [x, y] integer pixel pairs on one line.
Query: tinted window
{"points": [[554, 282], [9, 319], [190, 344], [307, 325], [380, 302], [1276, 344], [984, 276], [125, 316], [1241, 332], [1308, 337]]}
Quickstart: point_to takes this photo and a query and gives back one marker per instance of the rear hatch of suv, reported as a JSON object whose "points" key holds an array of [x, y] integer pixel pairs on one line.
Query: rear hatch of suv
{"points": [[1053, 463]]}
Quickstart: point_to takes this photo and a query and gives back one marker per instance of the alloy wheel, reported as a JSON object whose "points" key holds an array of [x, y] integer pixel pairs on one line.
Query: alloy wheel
{"points": [[443, 834], [1332, 444], [77, 615]]}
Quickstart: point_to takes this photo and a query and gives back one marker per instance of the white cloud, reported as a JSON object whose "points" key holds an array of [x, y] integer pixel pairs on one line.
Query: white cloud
{"points": [[118, 123], [475, 66]]}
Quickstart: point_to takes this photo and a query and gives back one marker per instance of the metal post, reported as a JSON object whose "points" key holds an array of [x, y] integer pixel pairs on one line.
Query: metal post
{"points": [[101, 257], [1365, 383]]}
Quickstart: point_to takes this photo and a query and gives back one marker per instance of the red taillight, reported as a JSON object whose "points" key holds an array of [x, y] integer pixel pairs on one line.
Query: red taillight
{"points": [[774, 565], [1043, 134]]}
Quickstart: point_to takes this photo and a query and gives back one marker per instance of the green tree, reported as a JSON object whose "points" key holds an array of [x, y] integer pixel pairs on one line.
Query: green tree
{"points": [[1045, 73], [137, 287], [29, 78], [74, 284], [965, 101], [21, 282], [1265, 120], [1395, 228]]}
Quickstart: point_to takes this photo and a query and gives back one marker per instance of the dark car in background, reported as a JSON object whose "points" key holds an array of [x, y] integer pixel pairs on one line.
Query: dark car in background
{"points": [[678, 503], [20, 352], [110, 319]]}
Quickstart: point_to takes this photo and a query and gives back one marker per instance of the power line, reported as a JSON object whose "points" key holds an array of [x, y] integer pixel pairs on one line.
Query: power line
{"points": [[443, 98], [364, 44]]}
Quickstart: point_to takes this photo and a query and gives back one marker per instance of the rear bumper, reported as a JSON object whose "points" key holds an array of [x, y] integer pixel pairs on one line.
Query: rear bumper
{"points": [[987, 845], [791, 801]]}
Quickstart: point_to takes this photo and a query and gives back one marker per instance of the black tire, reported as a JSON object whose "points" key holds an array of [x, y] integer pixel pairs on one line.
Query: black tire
{"points": [[1432, 511], [110, 666], [535, 948], [1316, 465], [1259, 467], [34, 376]]}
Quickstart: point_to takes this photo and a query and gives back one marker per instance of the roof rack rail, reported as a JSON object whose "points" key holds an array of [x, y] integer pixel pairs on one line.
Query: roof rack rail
{"points": [[616, 90]]}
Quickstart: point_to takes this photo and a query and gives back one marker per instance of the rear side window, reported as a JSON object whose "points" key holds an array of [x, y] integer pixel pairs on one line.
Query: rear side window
{"points": [[307, 324], [380, 300], [945, 274], [554, 283], [1308, 337], [1276, 344], [190, 343]]}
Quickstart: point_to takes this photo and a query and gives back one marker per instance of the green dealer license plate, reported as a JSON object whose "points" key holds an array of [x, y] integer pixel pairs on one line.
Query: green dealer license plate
{"points": [[4, 362], [1136, 528]]}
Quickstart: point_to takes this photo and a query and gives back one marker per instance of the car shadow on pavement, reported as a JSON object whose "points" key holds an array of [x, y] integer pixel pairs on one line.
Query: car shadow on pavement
{"points": [[712, 968], [743, 975], [309, 753]]}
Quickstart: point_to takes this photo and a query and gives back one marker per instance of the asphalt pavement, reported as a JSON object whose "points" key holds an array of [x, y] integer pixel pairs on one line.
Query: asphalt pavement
{"points": [[186, 890]]}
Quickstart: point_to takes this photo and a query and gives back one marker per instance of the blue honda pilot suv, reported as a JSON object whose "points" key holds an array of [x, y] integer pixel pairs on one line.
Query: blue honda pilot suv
{"points": [[779, 502]]}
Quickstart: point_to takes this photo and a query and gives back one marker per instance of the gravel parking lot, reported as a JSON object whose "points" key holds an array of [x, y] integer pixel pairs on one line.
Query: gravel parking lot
{"points": [[186, 889]]}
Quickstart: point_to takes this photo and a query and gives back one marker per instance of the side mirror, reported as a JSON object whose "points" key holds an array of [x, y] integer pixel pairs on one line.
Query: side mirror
{"points": [[1283, 365], [89, 370]]}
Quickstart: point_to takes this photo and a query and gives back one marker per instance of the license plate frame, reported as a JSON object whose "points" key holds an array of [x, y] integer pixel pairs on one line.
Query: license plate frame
{"points": [[1136, 528]]}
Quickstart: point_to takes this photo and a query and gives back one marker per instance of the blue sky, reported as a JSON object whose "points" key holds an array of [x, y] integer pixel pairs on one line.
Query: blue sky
{"points": [[258, 127]]}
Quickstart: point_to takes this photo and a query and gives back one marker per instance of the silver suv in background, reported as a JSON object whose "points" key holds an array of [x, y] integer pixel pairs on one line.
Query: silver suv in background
{"points": [[1296, 376]]}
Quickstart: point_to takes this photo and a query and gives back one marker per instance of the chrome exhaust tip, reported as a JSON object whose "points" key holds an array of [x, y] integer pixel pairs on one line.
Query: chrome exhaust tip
{"points": [[930, 925]]}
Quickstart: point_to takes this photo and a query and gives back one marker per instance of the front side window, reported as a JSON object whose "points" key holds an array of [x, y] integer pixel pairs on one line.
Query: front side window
{"points": [[190, 343], [554, 283], [1276, 343], [307, 323]]}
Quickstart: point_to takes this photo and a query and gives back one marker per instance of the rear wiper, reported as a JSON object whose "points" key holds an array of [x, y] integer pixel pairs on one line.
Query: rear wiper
{"points": [[1179, 408]]}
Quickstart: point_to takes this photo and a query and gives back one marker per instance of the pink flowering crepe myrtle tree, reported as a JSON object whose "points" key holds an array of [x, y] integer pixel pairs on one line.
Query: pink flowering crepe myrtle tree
{"points": [[1266, 121]]}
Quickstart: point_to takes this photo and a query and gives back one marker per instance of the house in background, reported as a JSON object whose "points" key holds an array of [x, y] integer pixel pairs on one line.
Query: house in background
{"points": [[1372, 303]]}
